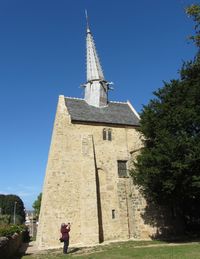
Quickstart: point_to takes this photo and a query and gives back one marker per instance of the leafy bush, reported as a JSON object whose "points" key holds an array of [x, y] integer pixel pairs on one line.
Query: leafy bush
{"points": [[5, 219], [9, 230]]}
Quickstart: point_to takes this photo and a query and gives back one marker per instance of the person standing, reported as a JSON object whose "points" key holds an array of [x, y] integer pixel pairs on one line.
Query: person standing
{"points": [[65, 236]]}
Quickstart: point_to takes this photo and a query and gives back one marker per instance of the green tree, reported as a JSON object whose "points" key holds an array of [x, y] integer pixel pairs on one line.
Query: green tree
{"points": [[36, 205], [2, 202], [193, 11], [168, 168], [12, 204]]}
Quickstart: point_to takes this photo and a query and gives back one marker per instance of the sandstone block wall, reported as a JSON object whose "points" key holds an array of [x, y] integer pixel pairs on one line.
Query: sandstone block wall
{"points": [[82, 185]]}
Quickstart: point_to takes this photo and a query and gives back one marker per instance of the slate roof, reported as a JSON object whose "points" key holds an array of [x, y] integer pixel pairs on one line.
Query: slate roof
{"points": [[114, 113]]}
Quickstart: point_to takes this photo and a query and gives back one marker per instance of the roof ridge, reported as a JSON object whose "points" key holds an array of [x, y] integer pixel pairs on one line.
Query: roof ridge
{"points": [[117, 102], [74, 98]]}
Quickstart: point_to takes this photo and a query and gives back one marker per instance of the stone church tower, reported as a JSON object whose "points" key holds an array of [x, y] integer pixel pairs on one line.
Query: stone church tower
{"points": [[87, 181]]}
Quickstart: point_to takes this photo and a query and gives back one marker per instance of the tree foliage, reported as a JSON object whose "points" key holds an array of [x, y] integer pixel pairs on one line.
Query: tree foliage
{"points": [[9, 203], [193, 11], [168, 168], [36, 205], [9, 230]]}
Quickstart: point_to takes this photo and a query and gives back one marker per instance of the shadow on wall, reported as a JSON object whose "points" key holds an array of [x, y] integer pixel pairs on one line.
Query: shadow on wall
{"points": [[169, 227]]}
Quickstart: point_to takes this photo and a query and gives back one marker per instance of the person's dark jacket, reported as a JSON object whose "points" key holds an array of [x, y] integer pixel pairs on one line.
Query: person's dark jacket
{"points": [[65, 232]]}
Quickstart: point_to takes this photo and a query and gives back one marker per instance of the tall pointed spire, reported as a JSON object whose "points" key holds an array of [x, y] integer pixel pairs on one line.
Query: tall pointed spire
{"points": [[94, 70], [96, 87]]}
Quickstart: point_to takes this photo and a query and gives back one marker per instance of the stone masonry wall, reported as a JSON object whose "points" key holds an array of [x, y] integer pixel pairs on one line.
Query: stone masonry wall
{"points": [[10, 246], [82, 185]]}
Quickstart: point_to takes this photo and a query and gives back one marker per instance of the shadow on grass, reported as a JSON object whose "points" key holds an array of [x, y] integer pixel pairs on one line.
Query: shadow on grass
{"points": [[74, 250]]}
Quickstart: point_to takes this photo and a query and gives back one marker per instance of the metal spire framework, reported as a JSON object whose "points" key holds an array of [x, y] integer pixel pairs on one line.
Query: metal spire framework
{"points": [[96, 87]]}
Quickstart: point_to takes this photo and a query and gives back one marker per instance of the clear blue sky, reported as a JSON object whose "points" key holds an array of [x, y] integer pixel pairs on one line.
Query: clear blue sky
{"points": [[42, 55]]}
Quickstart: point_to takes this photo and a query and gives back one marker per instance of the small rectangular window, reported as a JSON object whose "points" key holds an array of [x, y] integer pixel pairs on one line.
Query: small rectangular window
{"points": [[113, 214], [122, 169]]}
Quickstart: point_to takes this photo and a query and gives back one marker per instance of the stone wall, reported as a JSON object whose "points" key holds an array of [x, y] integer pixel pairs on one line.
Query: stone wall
{"points": [[82, 185], [10, 246]]}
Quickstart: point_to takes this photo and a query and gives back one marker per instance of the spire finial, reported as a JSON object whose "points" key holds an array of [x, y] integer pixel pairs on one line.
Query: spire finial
{"points": [[87, 20]]}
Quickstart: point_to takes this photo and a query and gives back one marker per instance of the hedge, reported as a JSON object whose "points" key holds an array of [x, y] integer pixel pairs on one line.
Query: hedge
{"points": [[9, 230]]}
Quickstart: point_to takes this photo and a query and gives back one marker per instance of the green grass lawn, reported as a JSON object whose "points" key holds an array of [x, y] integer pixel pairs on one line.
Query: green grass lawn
{"points": [[126, 250]]}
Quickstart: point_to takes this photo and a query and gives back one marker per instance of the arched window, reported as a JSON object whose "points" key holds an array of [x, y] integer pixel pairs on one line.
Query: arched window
{"points": [[107, 134], [113, 214], [104, 134]]}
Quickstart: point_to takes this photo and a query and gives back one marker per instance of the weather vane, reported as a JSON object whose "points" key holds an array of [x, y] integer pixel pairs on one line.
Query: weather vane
{"points": [[87, 19]]}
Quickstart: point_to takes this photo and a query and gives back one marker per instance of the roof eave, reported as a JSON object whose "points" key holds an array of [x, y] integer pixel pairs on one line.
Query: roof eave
{"points": [[105, 123]]}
